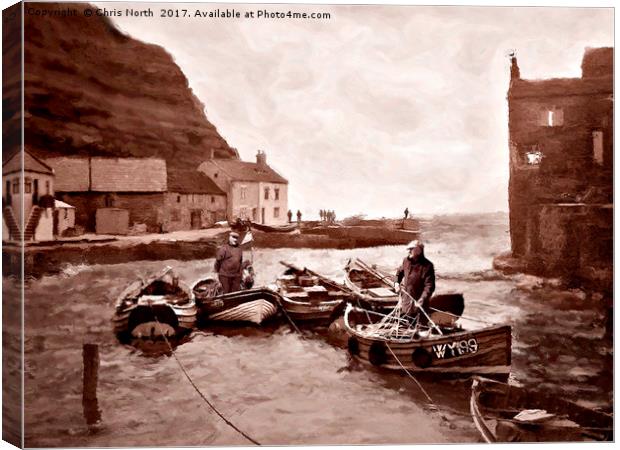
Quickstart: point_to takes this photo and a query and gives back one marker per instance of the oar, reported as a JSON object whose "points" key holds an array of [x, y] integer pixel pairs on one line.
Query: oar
{"points": [[321, 277], [375, 273]]}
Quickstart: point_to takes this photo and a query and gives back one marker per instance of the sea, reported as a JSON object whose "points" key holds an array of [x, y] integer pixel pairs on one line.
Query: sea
{"points": [[282, 388]]}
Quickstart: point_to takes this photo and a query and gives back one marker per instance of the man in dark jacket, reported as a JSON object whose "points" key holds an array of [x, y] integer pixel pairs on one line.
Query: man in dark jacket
{"points": [[418, 279], [229, 264]]}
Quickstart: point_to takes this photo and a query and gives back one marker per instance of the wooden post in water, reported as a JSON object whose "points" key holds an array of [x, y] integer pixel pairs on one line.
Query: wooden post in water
{"points": [[92, 414]]}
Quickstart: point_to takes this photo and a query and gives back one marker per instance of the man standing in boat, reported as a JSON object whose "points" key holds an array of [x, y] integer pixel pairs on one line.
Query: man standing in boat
{"points": [[229, 264], [417, 275]]}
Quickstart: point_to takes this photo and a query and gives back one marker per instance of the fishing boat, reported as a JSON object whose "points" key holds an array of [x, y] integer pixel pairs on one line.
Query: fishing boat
{"points": [[159, 305], [308, 296], [390, 341], [375, 290], [371, 286], [274, 228], [249, 305], [507, 413]]}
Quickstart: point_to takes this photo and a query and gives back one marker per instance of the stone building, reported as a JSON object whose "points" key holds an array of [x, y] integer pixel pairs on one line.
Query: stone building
{"points": [[561, 171], [136, 192], [255, 190]]}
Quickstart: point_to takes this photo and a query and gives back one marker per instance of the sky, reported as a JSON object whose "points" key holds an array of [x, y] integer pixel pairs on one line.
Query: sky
{"points": [[379, 107]]}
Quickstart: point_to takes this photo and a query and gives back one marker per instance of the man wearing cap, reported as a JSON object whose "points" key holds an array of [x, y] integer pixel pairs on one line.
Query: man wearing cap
{"points": [[418, 279], [229, 264]]}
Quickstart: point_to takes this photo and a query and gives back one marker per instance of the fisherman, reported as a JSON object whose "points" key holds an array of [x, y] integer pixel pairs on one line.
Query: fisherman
{"points": [[229, 264], [418, 280], [298, 216], [406, 212], [290, 216]]}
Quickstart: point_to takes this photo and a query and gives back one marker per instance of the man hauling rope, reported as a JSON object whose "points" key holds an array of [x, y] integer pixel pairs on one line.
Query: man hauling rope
{"points": [[417, 275]]}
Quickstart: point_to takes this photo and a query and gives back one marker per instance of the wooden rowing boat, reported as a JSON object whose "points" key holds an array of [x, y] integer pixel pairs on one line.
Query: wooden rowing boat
{"points": [[370, 286], [456, 351], [274, 228], [250, 305], [308, 296], [158, 305], [507, 413]]}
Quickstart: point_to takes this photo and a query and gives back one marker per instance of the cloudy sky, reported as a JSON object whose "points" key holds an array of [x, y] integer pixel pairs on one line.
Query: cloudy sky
{"points": [[379, 107]]}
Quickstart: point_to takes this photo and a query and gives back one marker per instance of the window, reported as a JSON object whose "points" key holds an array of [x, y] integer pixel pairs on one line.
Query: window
{"points": [[276, 193], [244, 192], [534, 157], [276, 212], [108, 201], [212, 199], [597, 147], [47, 188], [552, 117], [28, 186], [266, 193], [16, 186], [178, 199]]}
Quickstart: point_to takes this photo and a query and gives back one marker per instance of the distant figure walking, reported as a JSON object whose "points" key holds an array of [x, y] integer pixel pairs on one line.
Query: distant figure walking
{"points": [[406, 212], [298, 216], [290, 216]]}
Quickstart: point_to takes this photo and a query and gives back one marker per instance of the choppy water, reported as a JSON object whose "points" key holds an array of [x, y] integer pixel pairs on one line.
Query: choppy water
{"points": [[281, 389]]}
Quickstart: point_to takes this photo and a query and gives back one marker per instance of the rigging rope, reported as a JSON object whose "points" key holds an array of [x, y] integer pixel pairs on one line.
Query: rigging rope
{"points": [[206, 400]]}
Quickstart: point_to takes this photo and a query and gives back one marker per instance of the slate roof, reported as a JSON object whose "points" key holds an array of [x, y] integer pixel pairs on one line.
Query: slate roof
{"points": [[191, 182], [31, 164], [247, 171]]}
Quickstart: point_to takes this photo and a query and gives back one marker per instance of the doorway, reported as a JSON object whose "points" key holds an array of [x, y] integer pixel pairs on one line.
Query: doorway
{"points": [[262, 215], [196, 219], [35, 192], [8, 193]]}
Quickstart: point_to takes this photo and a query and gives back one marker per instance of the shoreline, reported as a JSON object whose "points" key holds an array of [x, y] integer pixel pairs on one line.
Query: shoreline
{"points": [[50, 258]]}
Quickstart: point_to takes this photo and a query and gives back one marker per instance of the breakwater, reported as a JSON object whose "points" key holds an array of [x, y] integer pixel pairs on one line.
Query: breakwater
{"points": [[41, 259]]}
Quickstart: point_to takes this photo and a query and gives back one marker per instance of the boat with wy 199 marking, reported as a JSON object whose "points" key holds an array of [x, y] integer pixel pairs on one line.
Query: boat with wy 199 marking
{"points": [[450, 350]]}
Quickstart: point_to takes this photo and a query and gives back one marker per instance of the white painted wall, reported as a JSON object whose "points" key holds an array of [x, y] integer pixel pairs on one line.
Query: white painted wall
{"points": [[45, 228], [5, 230]]}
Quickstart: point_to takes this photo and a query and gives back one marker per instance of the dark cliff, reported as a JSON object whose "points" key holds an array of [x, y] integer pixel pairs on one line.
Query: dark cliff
{"points": [[91, 90]]}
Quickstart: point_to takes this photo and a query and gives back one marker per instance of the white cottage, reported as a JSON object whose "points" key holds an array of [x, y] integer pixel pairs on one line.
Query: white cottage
{"points": [[31, 191]]}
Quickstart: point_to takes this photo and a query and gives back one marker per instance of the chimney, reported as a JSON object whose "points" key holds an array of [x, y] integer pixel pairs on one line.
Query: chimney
{"points": [[261, 158], [515, 74]]}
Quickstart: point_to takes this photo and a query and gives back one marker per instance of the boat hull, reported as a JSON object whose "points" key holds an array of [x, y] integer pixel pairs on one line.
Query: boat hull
{"points": [[274, 228], [493, 407], [311, 312], [251, 305], [483, 351], [161, 303]]}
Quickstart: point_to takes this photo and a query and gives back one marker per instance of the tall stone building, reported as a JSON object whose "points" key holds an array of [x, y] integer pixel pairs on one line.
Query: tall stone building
{"points": [[561, 171]]}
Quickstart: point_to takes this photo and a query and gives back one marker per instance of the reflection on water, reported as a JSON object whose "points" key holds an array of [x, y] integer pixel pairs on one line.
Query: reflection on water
{"points": [[283, 389]]}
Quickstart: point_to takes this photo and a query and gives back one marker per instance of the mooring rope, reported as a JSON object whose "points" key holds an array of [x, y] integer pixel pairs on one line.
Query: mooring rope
{"points": [[206, 400], [428, 397]]}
